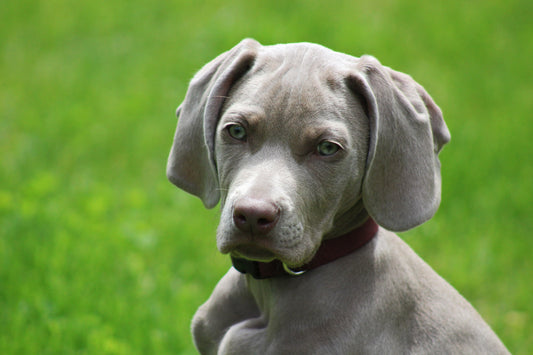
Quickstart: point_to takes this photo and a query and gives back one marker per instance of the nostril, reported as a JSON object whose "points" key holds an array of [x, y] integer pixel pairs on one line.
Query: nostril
{"points": [[264, 221], [240, 218]]}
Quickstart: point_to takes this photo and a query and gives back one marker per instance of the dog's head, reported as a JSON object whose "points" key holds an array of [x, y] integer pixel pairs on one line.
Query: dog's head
{"points": [[302, 143]]}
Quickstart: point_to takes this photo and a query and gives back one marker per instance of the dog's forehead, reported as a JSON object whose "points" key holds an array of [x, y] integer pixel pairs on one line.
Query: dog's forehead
{"points": [[294, 82], [298, 54], [300, 66]]}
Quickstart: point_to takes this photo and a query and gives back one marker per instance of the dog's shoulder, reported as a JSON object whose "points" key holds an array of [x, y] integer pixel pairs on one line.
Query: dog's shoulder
{"points": [[428, 308]]}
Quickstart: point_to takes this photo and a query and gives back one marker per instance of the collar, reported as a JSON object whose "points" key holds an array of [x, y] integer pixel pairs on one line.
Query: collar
{"points": [[330, 250]]}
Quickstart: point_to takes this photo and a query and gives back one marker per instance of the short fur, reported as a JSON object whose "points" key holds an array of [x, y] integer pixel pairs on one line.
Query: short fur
{"points": [[280, 197]]}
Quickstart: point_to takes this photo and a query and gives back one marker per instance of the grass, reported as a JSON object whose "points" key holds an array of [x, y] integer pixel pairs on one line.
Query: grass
{"points": [[99, 254]]}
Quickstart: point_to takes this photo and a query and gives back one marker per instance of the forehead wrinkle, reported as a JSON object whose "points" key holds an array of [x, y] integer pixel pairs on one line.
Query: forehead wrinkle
{"points": [[290, 81], [251, 113], [327, 128]]}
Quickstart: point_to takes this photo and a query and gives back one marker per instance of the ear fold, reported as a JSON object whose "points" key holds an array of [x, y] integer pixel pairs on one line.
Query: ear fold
{"points": [[402, 185], [191, 164]]}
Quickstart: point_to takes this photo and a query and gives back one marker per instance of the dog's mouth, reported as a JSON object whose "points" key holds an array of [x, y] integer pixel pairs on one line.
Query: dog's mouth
{"points": [[253, 252]]}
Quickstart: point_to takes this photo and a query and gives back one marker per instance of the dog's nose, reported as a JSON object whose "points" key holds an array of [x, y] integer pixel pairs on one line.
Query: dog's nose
{"points": [[255, 216]]}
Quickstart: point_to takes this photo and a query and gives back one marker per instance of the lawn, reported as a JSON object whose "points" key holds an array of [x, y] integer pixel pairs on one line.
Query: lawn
{"points": [[100, 254]]}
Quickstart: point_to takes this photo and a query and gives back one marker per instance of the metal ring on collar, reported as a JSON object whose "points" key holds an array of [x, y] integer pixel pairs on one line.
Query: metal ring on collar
{"points": [[292, 272]]}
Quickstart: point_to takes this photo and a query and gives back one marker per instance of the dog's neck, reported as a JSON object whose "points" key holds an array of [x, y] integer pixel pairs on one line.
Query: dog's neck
{"points": [[329, 251], [348, 220]]}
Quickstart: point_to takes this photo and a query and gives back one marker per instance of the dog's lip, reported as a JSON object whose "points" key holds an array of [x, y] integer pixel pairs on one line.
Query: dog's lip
{"points": [[253, 252]]}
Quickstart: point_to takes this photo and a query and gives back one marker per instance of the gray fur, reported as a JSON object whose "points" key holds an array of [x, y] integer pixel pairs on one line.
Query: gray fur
{"points": [[280, 199]]}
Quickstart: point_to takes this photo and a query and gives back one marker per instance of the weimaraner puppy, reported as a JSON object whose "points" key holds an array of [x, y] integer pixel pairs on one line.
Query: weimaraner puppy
{"points": [[316, 157]]}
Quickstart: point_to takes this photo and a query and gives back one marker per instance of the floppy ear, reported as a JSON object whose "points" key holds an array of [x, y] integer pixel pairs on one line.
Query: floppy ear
{"points": [[191, 164], [402, 184]]}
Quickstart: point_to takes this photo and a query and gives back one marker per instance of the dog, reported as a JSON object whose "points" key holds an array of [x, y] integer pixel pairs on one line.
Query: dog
{"points": [[317, 157]]}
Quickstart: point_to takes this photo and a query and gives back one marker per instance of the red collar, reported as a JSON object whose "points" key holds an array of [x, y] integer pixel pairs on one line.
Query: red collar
{"points": [[330, 250]]}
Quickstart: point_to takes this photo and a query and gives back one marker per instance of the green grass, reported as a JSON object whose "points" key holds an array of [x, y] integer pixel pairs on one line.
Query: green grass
{"points": [[99, 254]]}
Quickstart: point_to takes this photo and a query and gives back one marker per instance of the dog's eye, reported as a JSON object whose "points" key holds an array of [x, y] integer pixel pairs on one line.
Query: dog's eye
{"points": [[237, 131], [327, 148]]}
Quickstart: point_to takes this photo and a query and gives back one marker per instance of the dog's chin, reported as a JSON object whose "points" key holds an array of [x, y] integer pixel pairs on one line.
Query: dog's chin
{"points": [[253, 252], [293, 252]]}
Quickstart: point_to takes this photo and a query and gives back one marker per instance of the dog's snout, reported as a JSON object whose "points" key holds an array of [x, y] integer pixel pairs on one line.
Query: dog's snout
{"points": [[255, 216]]}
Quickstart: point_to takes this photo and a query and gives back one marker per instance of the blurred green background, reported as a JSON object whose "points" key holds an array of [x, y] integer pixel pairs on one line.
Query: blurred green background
{"points": [[99, 254]]}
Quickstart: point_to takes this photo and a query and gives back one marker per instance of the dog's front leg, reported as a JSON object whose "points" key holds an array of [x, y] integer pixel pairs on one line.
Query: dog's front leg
{"points": [[229, 304]]}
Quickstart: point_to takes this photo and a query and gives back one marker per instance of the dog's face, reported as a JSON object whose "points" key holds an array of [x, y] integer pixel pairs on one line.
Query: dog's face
{"points": [[300, 143], [290, 155]]}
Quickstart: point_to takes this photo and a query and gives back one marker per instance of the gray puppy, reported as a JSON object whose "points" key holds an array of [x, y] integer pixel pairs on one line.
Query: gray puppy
{"points": [[309, 150]]}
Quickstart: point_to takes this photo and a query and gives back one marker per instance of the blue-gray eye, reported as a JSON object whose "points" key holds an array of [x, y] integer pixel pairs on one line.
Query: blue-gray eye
{"points": [[327, 148], [237, 131]]}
